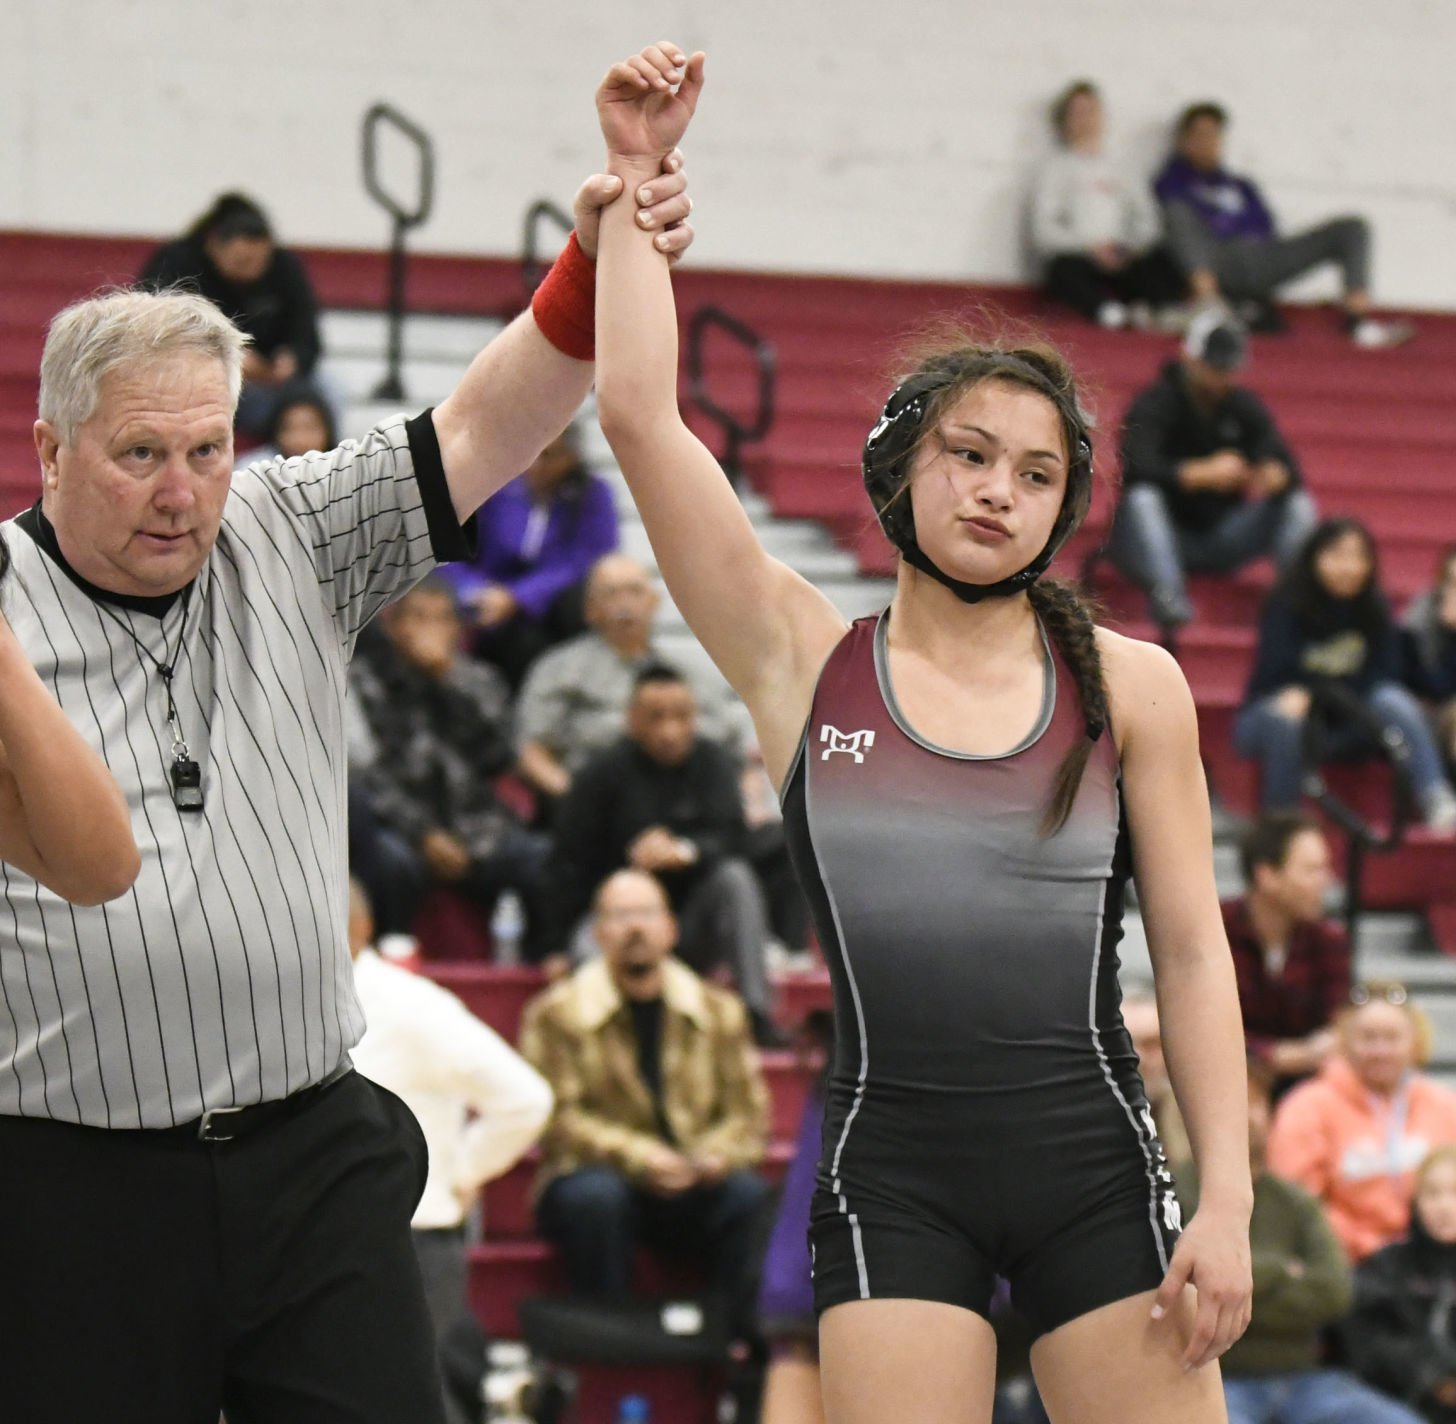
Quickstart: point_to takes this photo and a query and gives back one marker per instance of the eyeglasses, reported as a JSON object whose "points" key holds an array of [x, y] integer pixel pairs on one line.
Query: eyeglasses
{"points": [[1363, 994], [631, 912]]}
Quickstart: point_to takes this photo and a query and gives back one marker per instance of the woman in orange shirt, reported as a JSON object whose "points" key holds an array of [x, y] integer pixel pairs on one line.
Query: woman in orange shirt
{"points": [[1355, 1134]]}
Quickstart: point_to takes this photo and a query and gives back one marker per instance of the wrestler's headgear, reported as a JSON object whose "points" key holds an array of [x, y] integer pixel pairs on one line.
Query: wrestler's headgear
{"points": [[892, 443]]}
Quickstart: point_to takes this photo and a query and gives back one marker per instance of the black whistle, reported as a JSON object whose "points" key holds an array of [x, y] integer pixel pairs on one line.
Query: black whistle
{"points": [[186, 784]]}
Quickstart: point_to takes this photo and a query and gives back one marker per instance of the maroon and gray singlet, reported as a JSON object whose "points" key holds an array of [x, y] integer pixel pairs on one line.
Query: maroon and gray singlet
{"points": [[985, 1115]]}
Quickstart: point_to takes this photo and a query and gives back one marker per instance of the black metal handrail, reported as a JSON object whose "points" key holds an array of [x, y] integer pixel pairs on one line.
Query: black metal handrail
{"points": [[404, 217], [1336, 710], [736, 432], [533, 268]]}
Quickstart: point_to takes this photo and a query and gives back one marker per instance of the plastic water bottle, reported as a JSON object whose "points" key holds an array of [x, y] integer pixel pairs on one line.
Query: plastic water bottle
{"points": [[633, 1409], [507, 926]]}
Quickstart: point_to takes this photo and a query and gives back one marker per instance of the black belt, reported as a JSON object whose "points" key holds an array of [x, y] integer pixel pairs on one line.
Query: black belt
{"points": [[226, 1124]]}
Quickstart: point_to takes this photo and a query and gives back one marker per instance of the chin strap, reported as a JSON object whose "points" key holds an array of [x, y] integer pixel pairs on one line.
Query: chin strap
{"points": [[917, 558]]}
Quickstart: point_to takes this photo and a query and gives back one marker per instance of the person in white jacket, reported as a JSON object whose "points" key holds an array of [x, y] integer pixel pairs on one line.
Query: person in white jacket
{"points": [[480, 1107], [1097, 233]]}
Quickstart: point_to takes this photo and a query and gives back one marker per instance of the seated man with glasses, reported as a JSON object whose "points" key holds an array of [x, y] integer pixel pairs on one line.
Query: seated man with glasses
{"points": [[1355, 1134], [661, 1109]]}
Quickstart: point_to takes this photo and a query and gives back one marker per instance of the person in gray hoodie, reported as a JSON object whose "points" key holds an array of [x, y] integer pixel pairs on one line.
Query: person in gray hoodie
{"points": [[1095, 230]]}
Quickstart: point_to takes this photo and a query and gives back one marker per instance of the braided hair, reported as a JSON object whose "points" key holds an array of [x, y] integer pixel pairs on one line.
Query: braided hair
{"points": [[1068, 621], [1066, 616]]}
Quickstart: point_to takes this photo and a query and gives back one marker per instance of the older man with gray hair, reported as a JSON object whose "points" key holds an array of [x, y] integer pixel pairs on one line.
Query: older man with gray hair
{"points": [[190, 1165]]}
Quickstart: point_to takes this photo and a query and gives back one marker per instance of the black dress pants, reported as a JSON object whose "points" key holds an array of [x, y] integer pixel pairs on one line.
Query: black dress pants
{"points": [[148, 1278]]}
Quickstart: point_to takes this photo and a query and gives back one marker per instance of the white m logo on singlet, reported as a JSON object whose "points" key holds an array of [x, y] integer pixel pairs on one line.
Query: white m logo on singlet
{"points": [[854, 744]]}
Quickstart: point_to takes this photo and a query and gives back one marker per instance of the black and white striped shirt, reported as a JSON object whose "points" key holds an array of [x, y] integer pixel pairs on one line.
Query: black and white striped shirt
{"points": [[223, 976]]}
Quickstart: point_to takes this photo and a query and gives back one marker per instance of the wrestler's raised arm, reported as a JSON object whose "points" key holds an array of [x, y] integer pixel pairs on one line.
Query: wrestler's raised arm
{"points": [[768, 630]]}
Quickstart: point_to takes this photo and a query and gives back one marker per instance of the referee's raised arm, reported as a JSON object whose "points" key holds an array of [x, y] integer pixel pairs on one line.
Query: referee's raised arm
{"points": [[181, 1129], [524, 387], [63, 819]]}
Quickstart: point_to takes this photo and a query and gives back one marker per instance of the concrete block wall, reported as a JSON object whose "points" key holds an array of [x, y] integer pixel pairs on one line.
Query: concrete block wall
{"points": [[859, 136]]}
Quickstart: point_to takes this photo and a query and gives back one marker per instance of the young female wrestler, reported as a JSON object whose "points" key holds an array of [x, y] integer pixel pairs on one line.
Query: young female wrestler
{"points": [[968, 780]]}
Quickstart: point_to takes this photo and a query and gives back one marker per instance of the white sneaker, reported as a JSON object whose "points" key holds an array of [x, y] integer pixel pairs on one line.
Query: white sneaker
{"points": [[398, 946], [1112, 315], [1373, 335], [1441, 811]]}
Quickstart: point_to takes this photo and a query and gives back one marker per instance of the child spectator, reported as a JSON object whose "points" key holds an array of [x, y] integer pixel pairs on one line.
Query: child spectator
{"points": [[1095, 232], [302, 422], [231, 257], [538, 539], [1293, 965], [1275, 1373], [1327, 627], [1401, 1335], [1222, 233], [1428, 634], [1355, 1134], [1209, 483]]}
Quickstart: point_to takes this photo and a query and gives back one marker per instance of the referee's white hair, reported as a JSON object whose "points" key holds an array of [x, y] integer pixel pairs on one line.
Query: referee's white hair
{"points": [[100, 334]]}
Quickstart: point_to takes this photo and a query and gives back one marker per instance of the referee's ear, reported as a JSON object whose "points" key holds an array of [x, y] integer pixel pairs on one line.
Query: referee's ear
{"points": [[47, 447]]}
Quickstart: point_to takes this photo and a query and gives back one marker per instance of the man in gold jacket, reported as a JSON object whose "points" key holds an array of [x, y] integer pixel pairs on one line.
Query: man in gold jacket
{"points": [[661, 1110]]}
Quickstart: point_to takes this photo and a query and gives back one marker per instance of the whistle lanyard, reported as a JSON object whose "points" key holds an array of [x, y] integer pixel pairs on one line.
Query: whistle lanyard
{"points": [[186, 775]]}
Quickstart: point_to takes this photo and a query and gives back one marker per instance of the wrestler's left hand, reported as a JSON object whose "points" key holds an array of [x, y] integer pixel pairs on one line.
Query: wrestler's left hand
{"points": [[1212, 1255], [663, 207]]}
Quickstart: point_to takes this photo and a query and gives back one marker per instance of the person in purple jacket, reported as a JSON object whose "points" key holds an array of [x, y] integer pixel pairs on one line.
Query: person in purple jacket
{"points": [[1221, 231], [539, 538]]}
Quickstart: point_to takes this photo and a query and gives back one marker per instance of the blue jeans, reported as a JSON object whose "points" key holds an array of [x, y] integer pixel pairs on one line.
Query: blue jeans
{"points": [[1262, 731], [597, 1217], [1154, 552], [1311, 1397]]}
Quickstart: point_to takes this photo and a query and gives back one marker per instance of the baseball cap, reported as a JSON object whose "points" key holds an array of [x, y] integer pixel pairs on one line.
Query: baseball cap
{"points": [[1216, 338]]}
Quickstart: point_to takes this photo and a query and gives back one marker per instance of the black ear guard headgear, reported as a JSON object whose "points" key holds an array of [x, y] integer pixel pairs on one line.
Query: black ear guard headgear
{"points": [[886, 458]]}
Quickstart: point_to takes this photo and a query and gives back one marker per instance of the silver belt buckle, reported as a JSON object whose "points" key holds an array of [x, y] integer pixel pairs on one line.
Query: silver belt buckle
{"points": [[207, 1132]]}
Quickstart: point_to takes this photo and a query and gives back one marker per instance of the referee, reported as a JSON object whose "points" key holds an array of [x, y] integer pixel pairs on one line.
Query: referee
{"points": [[202, 1208]]}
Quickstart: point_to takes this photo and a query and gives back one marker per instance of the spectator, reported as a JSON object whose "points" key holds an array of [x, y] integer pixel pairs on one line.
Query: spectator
{"points": [[230, 256], [391, 871], [1355, 1134], [661, 1110], [1140, 1019], [1274, 1374], [791, 1389], [302, 422], [1327, 628], [1401, 1336], [480, 1107], [1097, 234], [539, 538], [1428, 631], [574, 700], [1209, 483], [1293, 965], [665, 800], [1222, 233], [442, 723]]}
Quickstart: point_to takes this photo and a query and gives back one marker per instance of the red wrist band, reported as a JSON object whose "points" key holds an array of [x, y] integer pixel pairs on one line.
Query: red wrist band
{"points": [[565, 304]]}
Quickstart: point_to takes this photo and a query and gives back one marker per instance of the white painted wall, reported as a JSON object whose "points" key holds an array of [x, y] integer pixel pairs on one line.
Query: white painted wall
{"points": [[861, 136]]}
